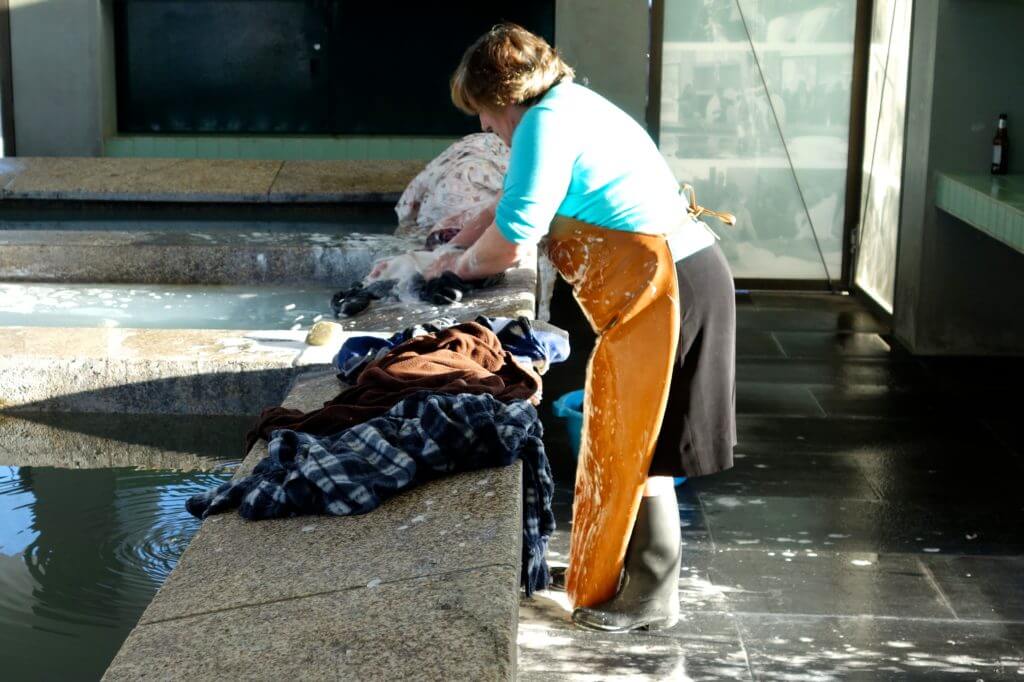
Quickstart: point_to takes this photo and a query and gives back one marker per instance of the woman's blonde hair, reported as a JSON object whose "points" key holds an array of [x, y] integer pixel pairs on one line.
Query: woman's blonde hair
{"points": [[506, 65]]}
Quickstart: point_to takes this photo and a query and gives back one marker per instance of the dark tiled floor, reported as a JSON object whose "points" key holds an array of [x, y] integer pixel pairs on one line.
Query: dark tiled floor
{"points": [[871, 528]]}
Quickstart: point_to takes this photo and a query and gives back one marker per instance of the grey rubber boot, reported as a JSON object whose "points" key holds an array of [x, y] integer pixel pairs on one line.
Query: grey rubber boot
{"points": [[648, 597]]}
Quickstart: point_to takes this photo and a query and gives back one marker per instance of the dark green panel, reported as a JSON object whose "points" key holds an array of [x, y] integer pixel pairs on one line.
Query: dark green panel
{"points": [[301, 66], [393, 60], [222, 66]]}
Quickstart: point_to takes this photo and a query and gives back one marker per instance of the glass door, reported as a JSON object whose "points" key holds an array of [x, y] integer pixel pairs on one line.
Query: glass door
{"points": [[754, 113]]}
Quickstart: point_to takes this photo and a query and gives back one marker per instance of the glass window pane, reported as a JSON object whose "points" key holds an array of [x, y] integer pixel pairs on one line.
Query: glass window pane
{"points": [[755, 114]]}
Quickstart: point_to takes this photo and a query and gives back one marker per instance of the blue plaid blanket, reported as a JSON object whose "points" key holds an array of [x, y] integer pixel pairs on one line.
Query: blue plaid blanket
{"points": [[425, 436]]}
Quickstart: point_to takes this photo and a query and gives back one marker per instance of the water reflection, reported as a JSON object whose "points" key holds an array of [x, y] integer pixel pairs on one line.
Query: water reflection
{"points": [[82, 552]]}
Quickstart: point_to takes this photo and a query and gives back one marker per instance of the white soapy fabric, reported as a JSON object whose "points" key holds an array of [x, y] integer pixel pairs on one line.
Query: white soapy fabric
{"points": [[405, 267], [463, 180], [465, 177]]}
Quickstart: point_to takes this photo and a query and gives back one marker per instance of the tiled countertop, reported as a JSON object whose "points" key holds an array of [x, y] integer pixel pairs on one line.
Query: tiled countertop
{"points": [[992, 204]]}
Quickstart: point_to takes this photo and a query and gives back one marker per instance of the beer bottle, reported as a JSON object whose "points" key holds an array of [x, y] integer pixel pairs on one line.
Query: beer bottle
{"points": [[1001, 148]]}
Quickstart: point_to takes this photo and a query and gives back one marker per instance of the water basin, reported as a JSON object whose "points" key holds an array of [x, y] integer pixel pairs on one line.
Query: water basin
{"points": [[163, 306], [83, 550]]}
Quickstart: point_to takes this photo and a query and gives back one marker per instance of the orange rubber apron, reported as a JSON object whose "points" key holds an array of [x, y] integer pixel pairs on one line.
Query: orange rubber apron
{"points": [[625, 283]]}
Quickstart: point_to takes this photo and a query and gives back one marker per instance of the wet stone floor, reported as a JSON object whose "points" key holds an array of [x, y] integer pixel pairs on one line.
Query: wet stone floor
{"points": [[872, 528]]}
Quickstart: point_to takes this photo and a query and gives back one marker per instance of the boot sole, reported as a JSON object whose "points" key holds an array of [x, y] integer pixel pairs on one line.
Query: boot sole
{"points": [[654, 625]]}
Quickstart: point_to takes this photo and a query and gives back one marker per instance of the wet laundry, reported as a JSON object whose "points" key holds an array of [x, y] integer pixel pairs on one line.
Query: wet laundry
{"points": [[446, 289], [425, 436], [358, 351], [466, 358], [517, 335], [357, 298], [520, 338], [463, 179], [449, 288]]}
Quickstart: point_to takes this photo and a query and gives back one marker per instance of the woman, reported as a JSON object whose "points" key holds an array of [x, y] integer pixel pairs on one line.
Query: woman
{"points": [[654, 286]]}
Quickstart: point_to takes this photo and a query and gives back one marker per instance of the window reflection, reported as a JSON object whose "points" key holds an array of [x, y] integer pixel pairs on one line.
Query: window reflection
{"points": [[755, 113]]}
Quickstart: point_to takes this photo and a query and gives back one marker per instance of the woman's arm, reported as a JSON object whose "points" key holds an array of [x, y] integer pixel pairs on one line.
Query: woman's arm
{"points": [[475, 226], [489, 255]]}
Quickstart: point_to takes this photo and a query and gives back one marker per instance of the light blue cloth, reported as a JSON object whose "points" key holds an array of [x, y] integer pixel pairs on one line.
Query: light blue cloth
{"points": [[576, 154]]}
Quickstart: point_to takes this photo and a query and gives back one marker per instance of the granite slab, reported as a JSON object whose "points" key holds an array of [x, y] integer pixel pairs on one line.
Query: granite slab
{"points": [[142, 371], [330, 181], [84, 441], [122, 179], [141, 387], [455, 626], [151, 257], [204, 180], [453, 524]]}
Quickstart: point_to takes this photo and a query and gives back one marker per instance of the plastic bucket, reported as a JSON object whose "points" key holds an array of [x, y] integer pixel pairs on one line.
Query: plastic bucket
{"points": [[570, 408]]}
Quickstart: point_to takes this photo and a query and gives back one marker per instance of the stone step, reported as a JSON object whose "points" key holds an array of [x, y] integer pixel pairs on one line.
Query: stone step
{"points": [[334, 259], [203, 180]]}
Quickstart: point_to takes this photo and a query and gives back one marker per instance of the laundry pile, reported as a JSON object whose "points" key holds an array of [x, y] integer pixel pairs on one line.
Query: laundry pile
{"points": [[440, 403], [517, 336], [462, 180]]}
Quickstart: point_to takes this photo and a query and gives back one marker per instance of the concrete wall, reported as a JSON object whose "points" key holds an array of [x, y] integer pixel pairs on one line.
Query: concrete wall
{"points": [[608, 45], [61, 58], [957, 290], [64, 76]]}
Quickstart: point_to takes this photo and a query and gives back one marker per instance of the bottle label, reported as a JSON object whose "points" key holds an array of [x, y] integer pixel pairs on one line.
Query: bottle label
{"points": [[997, 154]]}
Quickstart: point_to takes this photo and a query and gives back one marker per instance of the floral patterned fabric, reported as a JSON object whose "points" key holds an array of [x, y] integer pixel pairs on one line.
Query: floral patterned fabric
{"points": [[465, 178]]}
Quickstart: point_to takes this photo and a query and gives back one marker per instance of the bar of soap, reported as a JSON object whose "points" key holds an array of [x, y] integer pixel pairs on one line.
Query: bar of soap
{"points": [[323, 333]]}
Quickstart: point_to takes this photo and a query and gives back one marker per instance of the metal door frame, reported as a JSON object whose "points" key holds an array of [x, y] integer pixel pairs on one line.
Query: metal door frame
{"points": [[6, 81], [855, 154]]}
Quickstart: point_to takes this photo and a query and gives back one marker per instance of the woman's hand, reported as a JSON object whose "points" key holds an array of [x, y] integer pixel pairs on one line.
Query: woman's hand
{"points": [[379, 268], [445, 261]]}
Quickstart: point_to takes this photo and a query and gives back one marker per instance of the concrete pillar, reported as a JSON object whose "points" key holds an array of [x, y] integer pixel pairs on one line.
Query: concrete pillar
{"points": [[608, 44], [63, 73], [958, 291]]}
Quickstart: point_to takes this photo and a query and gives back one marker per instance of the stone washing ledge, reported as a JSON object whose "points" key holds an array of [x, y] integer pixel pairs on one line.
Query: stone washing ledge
{"points": [[196, 257], [150, 371], [200, 371], [204, 180], [425, 587], [89, 441]]}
